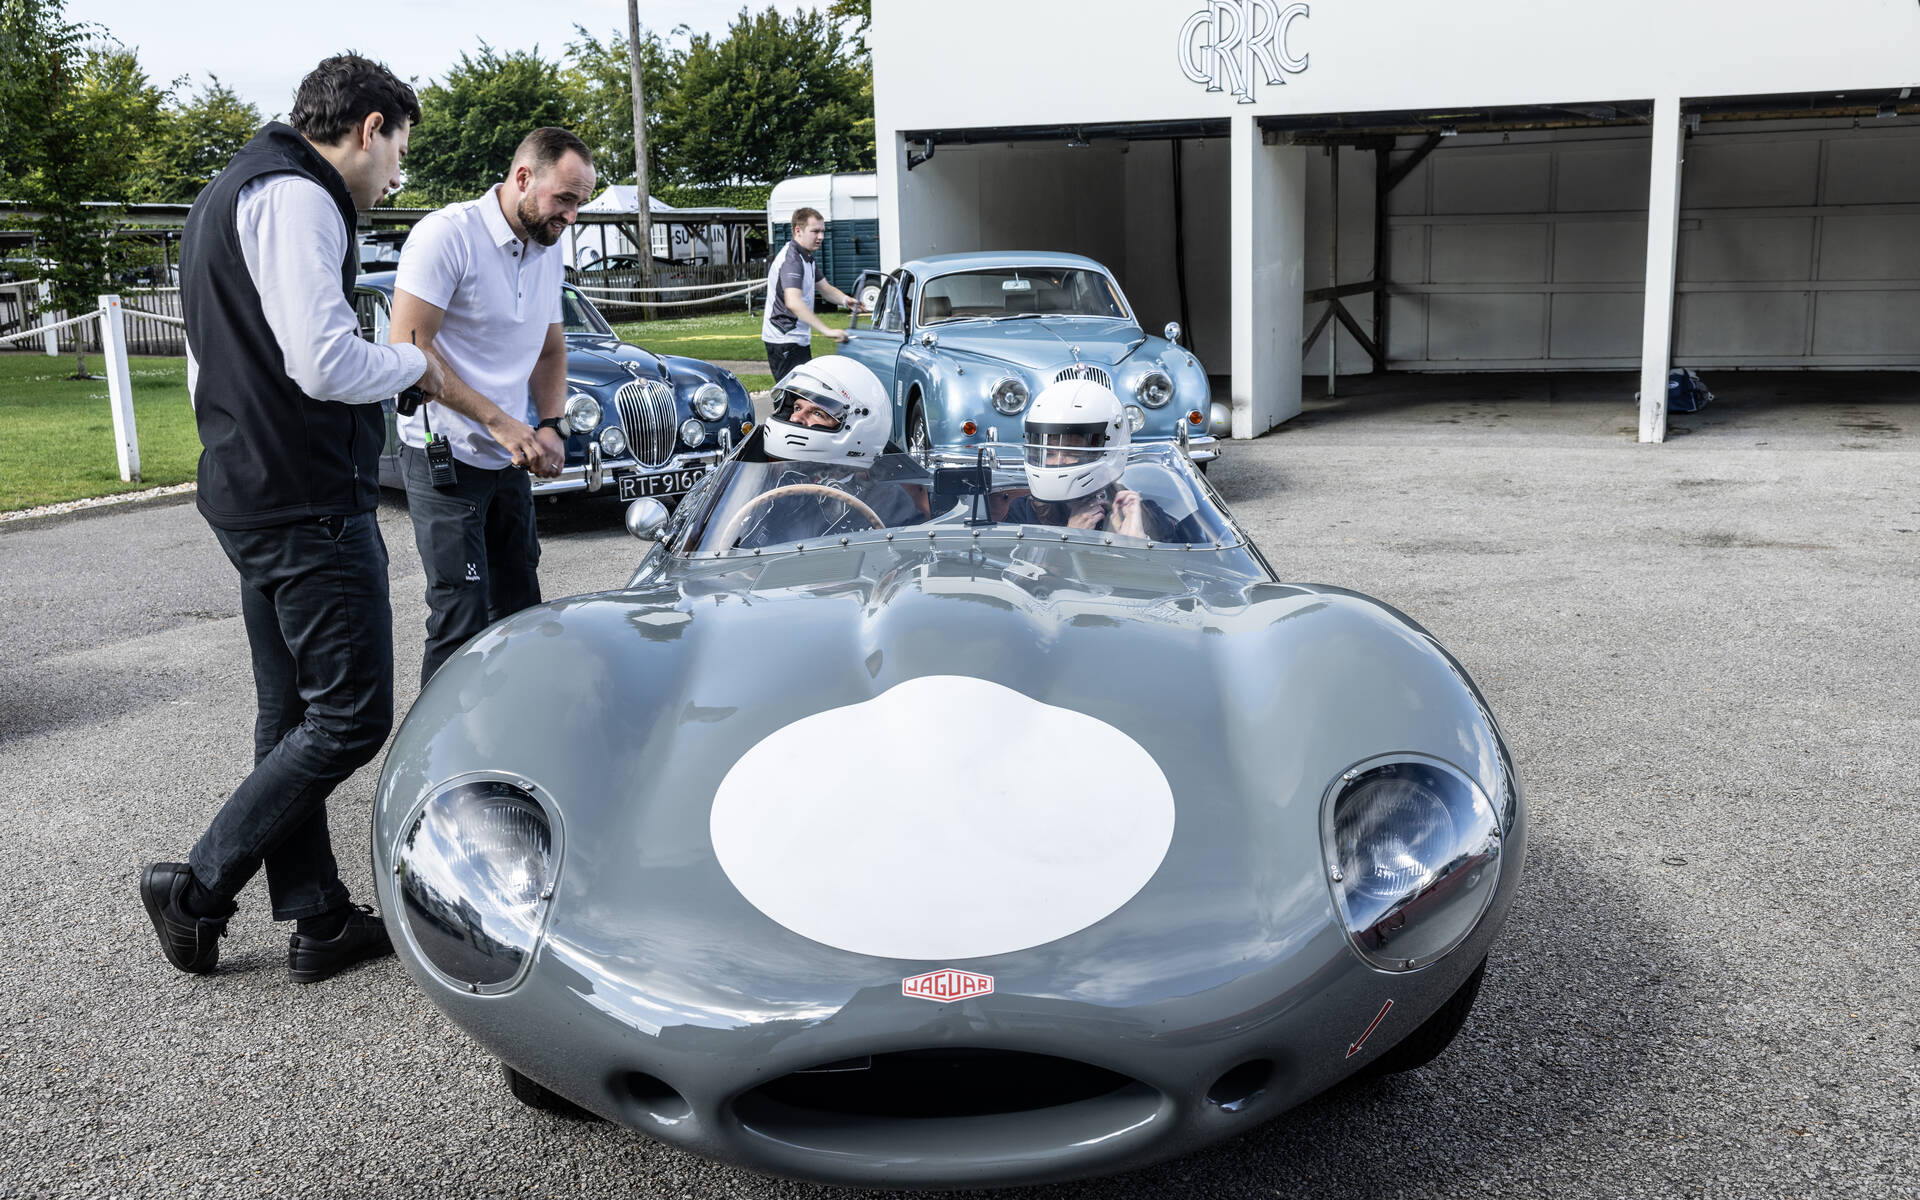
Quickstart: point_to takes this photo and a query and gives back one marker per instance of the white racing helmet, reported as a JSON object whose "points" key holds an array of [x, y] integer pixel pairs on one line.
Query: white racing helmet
{"points": [[829, 410], [1077, 438]]}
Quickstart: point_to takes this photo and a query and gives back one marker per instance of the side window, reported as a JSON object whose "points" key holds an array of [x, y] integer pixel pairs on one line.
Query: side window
{"points": [[886, 311], [903, 299], [371, 309]]}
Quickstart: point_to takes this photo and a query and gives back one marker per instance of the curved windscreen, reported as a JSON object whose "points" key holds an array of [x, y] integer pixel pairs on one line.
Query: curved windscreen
{"points": [[1156, 500], [578, 316], [1005, 292]]}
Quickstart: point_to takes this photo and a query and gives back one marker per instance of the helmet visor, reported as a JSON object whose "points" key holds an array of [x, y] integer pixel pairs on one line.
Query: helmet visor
{"points": [[1063, 447], [797, 404]]}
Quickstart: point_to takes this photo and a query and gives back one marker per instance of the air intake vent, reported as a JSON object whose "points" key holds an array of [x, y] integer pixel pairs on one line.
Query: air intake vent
{"points": [[1083, 371], [957, 1082], [647, 414]]}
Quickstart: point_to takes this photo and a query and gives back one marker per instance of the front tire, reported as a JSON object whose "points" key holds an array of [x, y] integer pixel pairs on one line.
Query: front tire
{"points": [[919, 442], [533, 1095]]}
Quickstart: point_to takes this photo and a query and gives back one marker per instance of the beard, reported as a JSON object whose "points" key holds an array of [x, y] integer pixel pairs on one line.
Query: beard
{"points": [[537, 226]]}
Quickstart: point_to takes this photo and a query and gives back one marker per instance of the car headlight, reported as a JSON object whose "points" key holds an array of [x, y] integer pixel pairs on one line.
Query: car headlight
{"points": [[583, 413], [1413, 848], [474, 875], [613, 442], [1009, 396], [1154, 389], [692, 432], [710, 401], [1136, 417]]}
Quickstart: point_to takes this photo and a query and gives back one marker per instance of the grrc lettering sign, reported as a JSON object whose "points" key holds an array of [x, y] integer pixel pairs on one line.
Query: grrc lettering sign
{"points": [[1223, 44]]}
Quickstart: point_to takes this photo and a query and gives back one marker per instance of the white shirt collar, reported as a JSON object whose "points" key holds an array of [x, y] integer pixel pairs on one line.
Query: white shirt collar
{"points": [[496, 220]]}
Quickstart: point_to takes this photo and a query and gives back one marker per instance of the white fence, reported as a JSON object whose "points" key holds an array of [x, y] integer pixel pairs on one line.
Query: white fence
{"points": [[109, 322]]}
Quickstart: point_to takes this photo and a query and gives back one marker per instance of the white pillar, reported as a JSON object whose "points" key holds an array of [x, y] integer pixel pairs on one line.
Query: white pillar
{"points": [[1663, 243], [50, 338], [1269, 221], [113, 346]]}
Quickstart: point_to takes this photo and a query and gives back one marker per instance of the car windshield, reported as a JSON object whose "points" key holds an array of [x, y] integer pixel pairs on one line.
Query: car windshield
{"points": [[1157, 500], [578, 316], [1009, 292]]}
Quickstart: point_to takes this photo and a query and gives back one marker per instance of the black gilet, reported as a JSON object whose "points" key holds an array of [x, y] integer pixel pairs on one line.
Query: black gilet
{"points": [[271, 453]]}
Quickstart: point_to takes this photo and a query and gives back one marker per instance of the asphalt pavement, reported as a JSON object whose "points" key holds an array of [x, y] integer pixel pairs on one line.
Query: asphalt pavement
{"points": [[1704, 654]]}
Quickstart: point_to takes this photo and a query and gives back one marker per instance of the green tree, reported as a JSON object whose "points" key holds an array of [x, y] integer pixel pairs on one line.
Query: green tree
{"points": [[777, 96], [599, 90], [472, 120], [195, 138], [859, 14]]}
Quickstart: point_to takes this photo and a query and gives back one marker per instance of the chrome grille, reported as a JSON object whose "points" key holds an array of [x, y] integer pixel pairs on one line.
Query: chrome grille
{"points": [[1083, 371], [647, 415]]}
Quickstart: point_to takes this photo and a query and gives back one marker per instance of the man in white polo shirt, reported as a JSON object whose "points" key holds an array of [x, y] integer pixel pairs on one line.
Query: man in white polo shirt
{"points": [[479, 288]]}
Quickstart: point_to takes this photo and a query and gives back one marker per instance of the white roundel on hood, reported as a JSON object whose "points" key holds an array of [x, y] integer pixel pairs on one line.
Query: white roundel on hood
{"points": [[946, 818]]}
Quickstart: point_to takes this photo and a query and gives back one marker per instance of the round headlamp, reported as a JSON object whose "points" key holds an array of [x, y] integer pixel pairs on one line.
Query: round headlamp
{"points": [[710, 402], [613, 442], [583, 413], [692, 432], [474, 875], [1154, 389], [1009, 396], [1136, 417], [1413, 849]]}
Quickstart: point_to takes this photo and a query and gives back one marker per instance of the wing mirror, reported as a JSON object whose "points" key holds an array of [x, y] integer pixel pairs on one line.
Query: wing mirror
{"points": [[929, 339], [645, 517], [1172, 332]]}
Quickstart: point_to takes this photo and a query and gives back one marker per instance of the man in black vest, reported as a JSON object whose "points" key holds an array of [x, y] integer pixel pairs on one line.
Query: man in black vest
{"points": [[286, 396]]}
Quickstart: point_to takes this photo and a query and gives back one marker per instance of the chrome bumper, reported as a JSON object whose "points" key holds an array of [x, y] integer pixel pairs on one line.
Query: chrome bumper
{"points": [[597, 475]]}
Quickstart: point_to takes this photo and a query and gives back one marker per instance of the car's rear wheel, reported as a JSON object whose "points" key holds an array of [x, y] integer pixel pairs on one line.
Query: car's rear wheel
{"points": [[1435, 1034], [531, 1094]]}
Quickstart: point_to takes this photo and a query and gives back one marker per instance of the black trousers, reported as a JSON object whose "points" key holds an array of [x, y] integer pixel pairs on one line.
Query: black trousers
{"points": [[785, 356], [478, 545], [314, 597]]}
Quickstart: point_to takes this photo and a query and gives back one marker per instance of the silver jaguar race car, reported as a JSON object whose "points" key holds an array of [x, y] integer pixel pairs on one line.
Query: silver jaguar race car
{"points": [[937, 850]]}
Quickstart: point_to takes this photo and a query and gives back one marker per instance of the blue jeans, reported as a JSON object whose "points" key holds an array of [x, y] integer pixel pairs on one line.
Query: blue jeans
{"points": [[313, 594]]}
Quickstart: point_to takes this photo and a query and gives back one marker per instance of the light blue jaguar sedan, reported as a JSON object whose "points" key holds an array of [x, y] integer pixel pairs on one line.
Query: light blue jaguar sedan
{"points": [[963, 342]]}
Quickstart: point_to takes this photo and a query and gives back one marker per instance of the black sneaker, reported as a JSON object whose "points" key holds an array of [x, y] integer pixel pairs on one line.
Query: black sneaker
{"points": [[191, 943], [311, 959]]}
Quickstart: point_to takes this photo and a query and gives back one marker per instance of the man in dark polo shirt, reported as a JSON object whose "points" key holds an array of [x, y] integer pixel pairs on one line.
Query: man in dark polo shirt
{"points": [[286, 396], [787, 320]]}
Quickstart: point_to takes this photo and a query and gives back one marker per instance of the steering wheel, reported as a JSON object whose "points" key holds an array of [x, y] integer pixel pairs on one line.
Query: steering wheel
{"points": [[819, 489]]}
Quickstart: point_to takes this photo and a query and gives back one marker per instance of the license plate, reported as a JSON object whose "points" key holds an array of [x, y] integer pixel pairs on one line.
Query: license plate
{"points": [[634, 486]]}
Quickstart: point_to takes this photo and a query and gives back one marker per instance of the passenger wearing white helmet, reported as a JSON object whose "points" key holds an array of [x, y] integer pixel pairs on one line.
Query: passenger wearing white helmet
{"points": [[1077, 438], [830, 420]]}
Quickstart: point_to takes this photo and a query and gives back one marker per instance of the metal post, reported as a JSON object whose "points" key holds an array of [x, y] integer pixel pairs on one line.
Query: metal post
{"points": [[50, 338], [644, 206], [1333, 268], [1663, 243], [113, 347]]}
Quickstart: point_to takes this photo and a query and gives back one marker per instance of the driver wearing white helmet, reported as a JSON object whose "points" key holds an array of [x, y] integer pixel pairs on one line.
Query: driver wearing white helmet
{"points": [[830, 419], [1077, 438]]}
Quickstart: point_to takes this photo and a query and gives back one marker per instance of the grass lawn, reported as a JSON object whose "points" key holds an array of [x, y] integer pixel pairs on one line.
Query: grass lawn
{"points": [[56, 434], [728, 336]]}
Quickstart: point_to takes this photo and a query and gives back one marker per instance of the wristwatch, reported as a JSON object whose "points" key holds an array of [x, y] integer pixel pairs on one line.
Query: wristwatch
{"points": [[557, 424]]}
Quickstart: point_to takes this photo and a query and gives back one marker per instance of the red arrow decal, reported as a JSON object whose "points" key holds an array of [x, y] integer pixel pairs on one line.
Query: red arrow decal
{"points": [[1355, 1048]]}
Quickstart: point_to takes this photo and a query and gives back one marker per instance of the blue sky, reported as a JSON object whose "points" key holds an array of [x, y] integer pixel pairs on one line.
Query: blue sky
{"points": [[261, 50]]}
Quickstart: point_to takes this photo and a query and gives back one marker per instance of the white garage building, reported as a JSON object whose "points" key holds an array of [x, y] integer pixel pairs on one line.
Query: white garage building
{"points": [[1514, 186]]}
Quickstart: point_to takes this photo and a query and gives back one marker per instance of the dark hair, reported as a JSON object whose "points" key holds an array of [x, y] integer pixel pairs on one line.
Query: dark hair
{"points": [[546, 145], [342, 91], [802, 215]]}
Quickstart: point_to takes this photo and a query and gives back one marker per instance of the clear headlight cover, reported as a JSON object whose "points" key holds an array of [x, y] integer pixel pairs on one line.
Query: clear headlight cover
{"points": [[1009, 396], [1154, 389], [613, 442], [710, 401], [473, 875], [1413, 847], [583, 413], [692, 432], [1136, 417]]}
